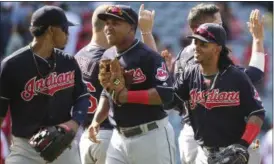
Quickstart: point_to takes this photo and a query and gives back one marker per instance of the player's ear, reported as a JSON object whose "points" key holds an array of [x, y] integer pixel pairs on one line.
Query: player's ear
{"points": [[218, 49], [51, 30], [132, 28]]}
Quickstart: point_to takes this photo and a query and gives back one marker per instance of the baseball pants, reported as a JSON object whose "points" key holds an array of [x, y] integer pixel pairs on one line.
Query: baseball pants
{"points": [[151, 147], [254, 156], [94, 153], [188, 147], [4, 146], [23, 153]]}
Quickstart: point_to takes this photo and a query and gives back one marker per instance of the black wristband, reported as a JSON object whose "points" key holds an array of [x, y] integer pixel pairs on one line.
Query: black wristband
{"points": [[243, 143]]}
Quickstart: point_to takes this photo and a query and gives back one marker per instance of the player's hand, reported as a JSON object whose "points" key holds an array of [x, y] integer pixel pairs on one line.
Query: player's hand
{"points": [[168, 58], [72, 125], [256, 25], [146, 19], [93, 130]]}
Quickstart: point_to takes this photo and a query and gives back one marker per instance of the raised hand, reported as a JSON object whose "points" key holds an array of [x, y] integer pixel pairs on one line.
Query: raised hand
{"points": [[168, 58], [146, 19], [256, 25]]}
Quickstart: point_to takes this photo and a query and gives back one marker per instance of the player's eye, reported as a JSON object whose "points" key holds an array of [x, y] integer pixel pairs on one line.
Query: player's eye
{"points": [[203, 44]]}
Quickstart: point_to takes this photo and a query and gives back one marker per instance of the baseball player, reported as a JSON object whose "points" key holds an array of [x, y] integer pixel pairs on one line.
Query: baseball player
{"points": [[139, 124], [225, 110], [188, 147], [88, 59], [199, 14], [44, 89]]}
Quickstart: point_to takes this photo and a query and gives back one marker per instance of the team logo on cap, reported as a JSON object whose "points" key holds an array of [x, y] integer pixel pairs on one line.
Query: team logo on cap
{"points": [[115, 10], [162, 73]]}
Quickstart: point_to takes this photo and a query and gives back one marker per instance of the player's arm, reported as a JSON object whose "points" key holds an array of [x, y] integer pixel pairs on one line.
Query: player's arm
{"points": [[253, 110], [146, 21], [255, 71], [100, 115], [181, 92], [4, 90], [81, 101], [162, 91], [102, 109]]}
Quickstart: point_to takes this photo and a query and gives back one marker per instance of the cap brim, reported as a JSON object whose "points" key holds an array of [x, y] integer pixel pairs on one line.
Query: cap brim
{"points": [[71, 24], [199, 37], [105, 16]]}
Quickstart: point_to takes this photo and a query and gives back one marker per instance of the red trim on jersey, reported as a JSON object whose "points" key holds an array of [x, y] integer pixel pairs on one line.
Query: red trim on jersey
{"points": [[138, 97], [251, 132]]}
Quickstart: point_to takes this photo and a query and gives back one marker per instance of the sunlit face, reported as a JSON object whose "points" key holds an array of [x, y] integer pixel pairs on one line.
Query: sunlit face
{"points": [[204, 52], [117, 31], [60, 37]]}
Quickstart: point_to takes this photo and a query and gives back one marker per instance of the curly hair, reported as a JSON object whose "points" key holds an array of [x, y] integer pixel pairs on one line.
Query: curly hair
{"points": [[224, 59]]}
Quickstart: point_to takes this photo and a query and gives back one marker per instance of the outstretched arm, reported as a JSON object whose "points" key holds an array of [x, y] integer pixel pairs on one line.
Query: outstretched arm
{"points": [[256, 28], [254, 111], [256, 68], [113, 81], [146, 21]]}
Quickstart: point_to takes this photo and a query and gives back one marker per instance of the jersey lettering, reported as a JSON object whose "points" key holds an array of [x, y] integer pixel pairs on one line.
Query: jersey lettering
{"points": [[138, 75], [93, 100], [48, 86], [214, 98]]}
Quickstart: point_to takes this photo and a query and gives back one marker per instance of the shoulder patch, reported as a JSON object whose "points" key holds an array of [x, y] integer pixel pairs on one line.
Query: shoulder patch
{"points": [[162, 73]]}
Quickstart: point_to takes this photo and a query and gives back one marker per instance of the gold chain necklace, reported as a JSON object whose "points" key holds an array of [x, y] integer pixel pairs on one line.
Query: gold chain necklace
{"points": [[37, 66]]}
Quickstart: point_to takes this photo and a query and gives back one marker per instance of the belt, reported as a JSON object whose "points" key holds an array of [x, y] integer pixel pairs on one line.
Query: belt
{"points": [[137, 130]]}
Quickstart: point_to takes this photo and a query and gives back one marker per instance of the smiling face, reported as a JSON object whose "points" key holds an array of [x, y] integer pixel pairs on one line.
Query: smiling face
{"points": [[117, 31], [205, 53]]}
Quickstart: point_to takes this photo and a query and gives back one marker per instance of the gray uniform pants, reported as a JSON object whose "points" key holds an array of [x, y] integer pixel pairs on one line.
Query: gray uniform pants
{"points": [[22, 153]]}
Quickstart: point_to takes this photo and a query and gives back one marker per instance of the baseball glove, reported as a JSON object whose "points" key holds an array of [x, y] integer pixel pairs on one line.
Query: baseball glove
{"points": [[233, 154], [50, 142], [111, 77]]}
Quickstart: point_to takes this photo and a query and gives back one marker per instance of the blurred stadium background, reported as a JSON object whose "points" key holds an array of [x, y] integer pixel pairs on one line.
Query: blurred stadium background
{"points": [[170, 29]]}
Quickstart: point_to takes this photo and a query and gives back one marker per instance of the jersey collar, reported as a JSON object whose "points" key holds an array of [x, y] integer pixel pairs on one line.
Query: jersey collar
{"points": [[124, 52]]}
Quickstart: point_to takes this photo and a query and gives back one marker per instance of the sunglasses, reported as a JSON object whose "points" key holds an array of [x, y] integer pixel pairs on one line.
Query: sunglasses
{"points": [[204, 33]]}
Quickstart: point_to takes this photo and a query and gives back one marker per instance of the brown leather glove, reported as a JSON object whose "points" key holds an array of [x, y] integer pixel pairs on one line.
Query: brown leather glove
{"points": [[111, 77]]}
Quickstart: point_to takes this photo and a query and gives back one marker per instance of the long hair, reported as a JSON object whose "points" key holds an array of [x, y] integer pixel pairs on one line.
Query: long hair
{"points": [[224, 59], [38, 31]]}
